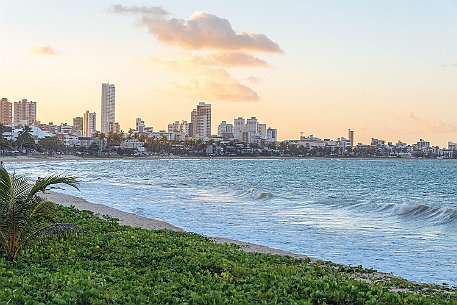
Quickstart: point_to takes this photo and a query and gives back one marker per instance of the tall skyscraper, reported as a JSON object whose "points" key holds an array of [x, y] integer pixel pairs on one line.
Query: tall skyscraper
{"points": [[201, 121], [25, 112], [351, 137], [6, 112], [89, 123], [108, 107]]}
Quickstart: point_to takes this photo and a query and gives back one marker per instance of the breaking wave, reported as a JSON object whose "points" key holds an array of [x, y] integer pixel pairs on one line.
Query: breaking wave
{"points": [[257, 194], [438, 216]]}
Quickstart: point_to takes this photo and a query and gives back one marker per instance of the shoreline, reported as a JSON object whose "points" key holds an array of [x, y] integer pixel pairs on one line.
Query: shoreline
{"points": [[134, 220], [42, 158]]}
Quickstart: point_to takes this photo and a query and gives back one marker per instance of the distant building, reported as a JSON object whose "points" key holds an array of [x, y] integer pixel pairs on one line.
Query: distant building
{"points": [[6, 112], [262, 131], [251, 125], [139, 125], [423, 145], [225, 130], [78, 125], [114, 127], [272, 135], [25, 112], [174, 127], [64, 128], [452, 146], [89, 123], [239, 128], [108, 106], [201, 121], [351, 137]]}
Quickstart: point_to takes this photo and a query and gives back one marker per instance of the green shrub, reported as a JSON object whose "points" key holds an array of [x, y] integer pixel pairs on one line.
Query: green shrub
{"points": [[113, 264]]}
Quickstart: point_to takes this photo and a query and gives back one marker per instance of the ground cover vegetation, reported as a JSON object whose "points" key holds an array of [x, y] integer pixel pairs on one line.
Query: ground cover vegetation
{"points": [[107, 263]]}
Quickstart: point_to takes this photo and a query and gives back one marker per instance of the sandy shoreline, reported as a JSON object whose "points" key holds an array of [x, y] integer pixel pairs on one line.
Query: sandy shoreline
{"points": [[134, 220]]}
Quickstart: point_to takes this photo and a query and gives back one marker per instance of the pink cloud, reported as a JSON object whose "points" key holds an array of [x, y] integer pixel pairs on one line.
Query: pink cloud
{"points": [[201, 31], [44, 50]]}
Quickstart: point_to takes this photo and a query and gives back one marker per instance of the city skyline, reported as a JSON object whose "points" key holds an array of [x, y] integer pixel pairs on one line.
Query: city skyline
{"points": [[322, 69]]}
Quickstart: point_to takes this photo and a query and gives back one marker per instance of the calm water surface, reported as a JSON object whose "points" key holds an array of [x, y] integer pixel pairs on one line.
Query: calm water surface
{"points": [[393, 216]]}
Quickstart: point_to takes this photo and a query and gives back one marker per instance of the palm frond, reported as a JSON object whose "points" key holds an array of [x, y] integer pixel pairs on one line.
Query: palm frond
{"points": [[25, 217], [54, 179]]}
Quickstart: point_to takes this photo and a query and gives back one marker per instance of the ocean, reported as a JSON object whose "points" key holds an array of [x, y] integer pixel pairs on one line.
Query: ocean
{"points": [[397, 216]]}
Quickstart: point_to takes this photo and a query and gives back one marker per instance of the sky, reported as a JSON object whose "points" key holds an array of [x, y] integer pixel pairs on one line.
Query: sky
{"points": [[386, 69]]}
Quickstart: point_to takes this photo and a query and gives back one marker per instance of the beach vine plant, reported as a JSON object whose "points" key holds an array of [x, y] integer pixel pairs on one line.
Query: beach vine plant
{"points": [[26, 217]]}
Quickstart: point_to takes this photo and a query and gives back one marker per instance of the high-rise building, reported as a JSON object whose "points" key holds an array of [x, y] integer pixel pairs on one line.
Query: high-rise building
{"points": [[114, 127], [89, 123], [108, 106], [251, 125], [25, 112], [201, 121], [78, 125], [139, 125], [238, 128], [262, 131], [225, 130], [6, 112], [351, 137], [272, 135], [174, 127]]}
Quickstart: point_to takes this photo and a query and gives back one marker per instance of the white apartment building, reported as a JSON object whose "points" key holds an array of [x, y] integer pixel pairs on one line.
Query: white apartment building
{"points": [[25, 112], [225, 129], [451, 146], [139, 125], [251, 125], [423, 145], [179, 127], [272, 135], [108, 106], [239, 126], [64, 128], [262, 131], [89, 123], [174, 127]]}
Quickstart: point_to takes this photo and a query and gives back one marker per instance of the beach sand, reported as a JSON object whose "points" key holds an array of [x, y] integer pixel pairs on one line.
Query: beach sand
{"points": [[134, 220]]}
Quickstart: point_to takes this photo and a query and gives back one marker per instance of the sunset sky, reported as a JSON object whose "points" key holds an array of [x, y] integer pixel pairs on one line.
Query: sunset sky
{"points": [[386, 69]]}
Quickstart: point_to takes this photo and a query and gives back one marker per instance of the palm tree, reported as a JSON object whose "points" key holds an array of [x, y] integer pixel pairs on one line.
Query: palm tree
{"points": [[25, 216]]}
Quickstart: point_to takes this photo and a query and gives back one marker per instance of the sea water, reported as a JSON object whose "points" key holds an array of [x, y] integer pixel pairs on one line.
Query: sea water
{"points": [[396, 216]]}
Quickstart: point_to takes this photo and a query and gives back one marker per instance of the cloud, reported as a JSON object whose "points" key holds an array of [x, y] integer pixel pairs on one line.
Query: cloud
{"points": [[223, 60], [421, 124], [44, 50], [202, 31], [204, 81], [253, 80], [215, 85], [147, 10], [208, 47], [230, 59]]}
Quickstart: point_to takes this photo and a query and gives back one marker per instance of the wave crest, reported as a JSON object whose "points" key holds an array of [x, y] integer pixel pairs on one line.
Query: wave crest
{"points": [[257, 194], [421, 211]]}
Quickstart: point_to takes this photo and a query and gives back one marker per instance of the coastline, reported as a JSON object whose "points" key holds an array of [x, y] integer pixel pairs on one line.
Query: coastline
{"points": [[395, 283], [41, 158], [131, 219]]}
